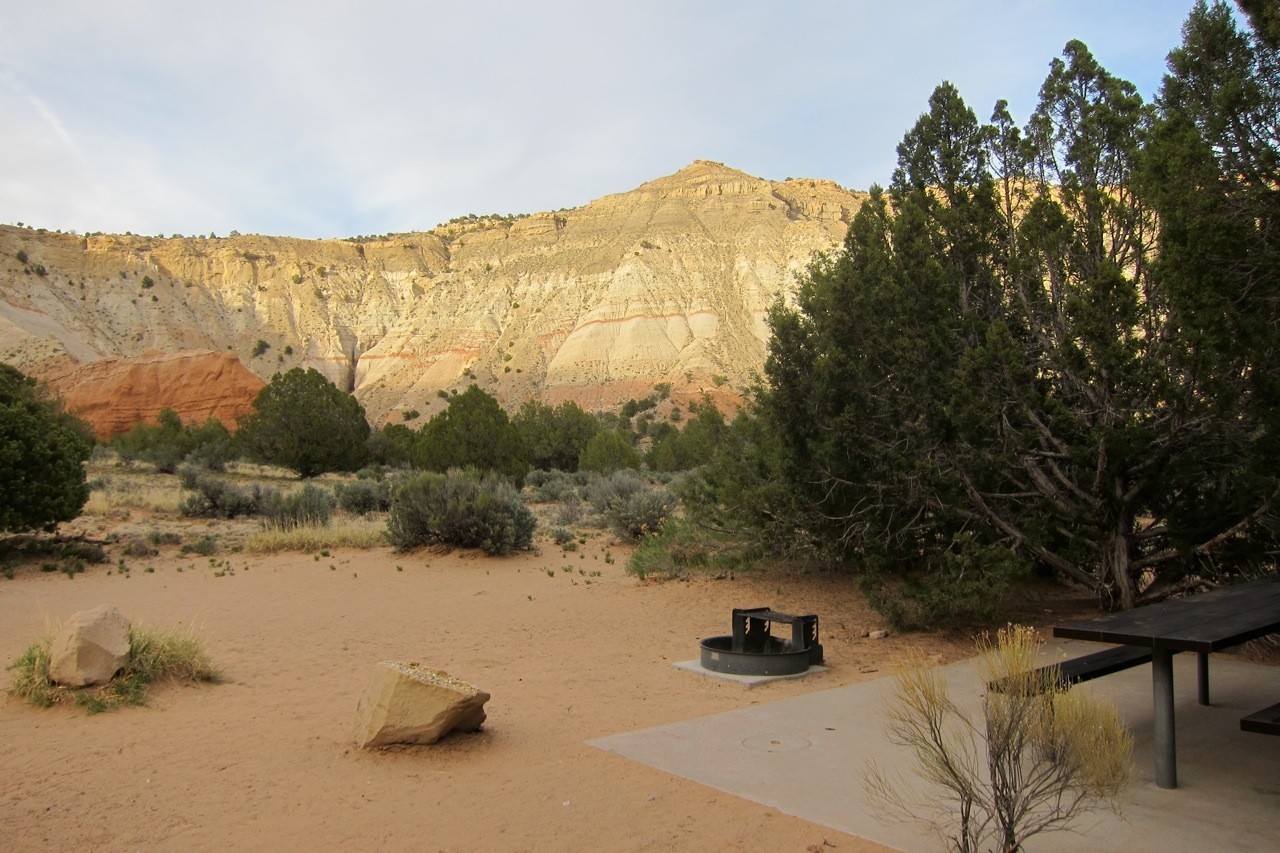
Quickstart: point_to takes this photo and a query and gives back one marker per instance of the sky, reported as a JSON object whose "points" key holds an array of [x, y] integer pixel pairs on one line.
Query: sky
{"points": [[325, 119]]}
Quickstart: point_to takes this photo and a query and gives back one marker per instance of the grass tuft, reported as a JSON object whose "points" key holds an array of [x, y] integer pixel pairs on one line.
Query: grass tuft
{"points": [[156, 655], [353, 533]]}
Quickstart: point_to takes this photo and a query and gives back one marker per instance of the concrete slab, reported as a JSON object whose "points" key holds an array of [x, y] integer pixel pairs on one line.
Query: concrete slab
{"points": [[695, 666], [806, 756]]}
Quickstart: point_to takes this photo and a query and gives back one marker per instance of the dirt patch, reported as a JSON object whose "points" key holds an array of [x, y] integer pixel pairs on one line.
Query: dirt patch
{"points": [[267, 759]]}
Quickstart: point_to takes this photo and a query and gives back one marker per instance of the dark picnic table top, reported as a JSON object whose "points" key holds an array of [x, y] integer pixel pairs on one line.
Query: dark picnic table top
{"points": [[1207, 622]]}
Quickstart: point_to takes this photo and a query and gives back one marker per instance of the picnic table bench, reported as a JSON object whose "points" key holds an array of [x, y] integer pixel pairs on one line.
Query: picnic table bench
{"points": [[1083, 668], [1204, 623], [1266, 721]]}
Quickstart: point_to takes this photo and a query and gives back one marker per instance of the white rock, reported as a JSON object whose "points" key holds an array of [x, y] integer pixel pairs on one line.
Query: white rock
{"points": [[878, 634], [91, 647], [407, 703]]}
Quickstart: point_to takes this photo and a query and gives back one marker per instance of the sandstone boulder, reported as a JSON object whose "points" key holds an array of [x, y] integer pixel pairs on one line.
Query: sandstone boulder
{"points": [[407, 703], [91, 647]]}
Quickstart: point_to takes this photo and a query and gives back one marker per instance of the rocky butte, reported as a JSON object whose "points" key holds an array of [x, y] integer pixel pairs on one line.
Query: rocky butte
{"points": [[669, 282]]}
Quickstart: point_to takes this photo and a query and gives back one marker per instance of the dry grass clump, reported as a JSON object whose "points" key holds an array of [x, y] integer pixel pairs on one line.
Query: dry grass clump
{"points": [[154, 492], [155, 655], [1034, 758], [349, 533]]}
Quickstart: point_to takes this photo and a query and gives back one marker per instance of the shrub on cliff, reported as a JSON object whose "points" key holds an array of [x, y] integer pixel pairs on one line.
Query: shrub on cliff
{"points": [[301, 421], [42, 451]]}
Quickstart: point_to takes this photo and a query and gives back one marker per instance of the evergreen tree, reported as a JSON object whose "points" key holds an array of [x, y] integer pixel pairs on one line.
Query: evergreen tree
{"points": [[608, 450], [42, 455], [1000, 361], [553, 438], [303, 422], [472, 432]]}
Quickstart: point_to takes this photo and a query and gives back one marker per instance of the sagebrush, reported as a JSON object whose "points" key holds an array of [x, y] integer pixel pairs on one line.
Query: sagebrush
{"points": [[462, 508]]}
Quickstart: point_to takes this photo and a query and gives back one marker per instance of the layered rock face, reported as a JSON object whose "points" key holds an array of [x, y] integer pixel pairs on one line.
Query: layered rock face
{"points": [[113, 394], [669, 282]]}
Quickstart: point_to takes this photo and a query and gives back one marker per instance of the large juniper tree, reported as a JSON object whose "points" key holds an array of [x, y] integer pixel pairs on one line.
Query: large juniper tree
{"points": [[1022, 348]]}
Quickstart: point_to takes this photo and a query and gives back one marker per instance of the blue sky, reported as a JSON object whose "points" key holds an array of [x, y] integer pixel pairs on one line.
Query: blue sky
{"points": [[335, 119]]}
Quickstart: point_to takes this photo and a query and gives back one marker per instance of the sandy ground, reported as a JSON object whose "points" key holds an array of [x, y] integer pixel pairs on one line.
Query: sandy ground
{"points": [[266, 759]]}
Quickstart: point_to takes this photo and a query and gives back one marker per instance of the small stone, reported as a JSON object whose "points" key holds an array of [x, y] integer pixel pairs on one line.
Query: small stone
{"points": [[408, 703], [877, 634], [90, 648]]}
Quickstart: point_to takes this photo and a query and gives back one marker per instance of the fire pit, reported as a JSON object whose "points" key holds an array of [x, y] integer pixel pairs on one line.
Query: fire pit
{"points": [[753, 650]]}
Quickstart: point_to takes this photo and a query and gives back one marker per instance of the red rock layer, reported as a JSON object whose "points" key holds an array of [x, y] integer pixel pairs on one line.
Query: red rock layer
{"points": [[114, 394]]}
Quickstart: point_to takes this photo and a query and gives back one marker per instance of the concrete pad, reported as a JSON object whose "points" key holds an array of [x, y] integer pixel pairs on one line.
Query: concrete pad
{"points": [[806, 756], [748, 681]]}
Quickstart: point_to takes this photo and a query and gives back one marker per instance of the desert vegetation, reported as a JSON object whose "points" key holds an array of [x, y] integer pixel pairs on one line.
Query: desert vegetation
{"points": [[155, 655], [1033, 759]]}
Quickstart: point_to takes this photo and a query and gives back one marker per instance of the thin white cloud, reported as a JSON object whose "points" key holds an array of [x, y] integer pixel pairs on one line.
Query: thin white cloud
{"points": [[333, 119]]}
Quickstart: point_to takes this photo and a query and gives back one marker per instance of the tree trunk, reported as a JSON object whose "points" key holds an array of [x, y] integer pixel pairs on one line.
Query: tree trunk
{"points": [[1113, 566]]}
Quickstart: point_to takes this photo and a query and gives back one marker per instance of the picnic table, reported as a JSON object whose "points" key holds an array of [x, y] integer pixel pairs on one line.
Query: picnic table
{"points": [[1203, 623]]}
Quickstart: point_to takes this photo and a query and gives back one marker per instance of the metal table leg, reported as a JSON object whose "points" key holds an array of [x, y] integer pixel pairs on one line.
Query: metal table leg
{"points": [[1162, 695], [1202, 664]]}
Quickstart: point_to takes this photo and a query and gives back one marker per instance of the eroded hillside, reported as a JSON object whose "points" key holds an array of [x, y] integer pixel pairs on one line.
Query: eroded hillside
{"points": [[669, 282]]}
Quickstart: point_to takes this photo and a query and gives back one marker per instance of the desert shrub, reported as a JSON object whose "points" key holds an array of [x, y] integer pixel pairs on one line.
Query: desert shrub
{"points": [[165, 458], [215, 498], [160, 537], [310, 506], [965, 585], [364, 496], [681, 548], [205, 546], [601, 491], [561, 535], [551, 486], [154, 655], [460, 508], [138, 546], [641, 513], [89, 552], [568, 512], [373, 471], [1031, 760]]}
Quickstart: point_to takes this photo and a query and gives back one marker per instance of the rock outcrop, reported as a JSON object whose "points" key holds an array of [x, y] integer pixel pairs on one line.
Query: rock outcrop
{"points": [[407, 703], [90, 648], [669, 282], [113, 394]]}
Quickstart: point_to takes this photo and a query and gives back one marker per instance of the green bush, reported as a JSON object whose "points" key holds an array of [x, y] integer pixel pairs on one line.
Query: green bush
{"points": [[42, 454], [608, 450], [364, 496], [460, 508], [964, 585], [602, 491], [215, 498], [682, 548], [205, 546], [562, 535], [310, 506], [641, 513], [551, 486]]}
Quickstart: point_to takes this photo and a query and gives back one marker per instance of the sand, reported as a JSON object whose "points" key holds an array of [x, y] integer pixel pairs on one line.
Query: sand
{"points": [[267, 760]]}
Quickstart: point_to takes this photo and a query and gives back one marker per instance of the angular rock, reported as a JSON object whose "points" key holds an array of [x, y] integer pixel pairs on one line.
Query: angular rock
{"points": [[91, 647], [408, 703]]}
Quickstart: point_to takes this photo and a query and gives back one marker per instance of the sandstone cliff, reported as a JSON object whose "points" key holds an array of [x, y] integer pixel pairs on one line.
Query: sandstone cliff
{"points": [[669, 282]]}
